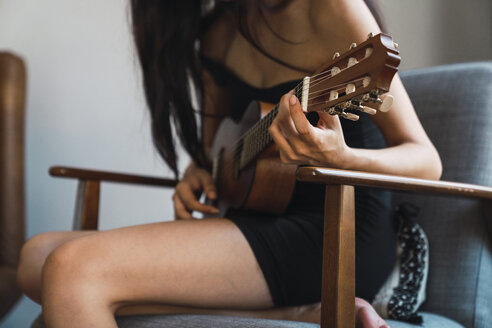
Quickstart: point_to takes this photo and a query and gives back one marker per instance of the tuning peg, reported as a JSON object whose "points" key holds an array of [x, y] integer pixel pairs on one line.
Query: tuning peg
{"points": [[386, 103], [368, 52], [335, 70], [349, 116], [355, 104], [352, 61], [395, 45], [333, 95], [367, 110], [350, 88], [336, 55], [370, 35], [352, 46]]}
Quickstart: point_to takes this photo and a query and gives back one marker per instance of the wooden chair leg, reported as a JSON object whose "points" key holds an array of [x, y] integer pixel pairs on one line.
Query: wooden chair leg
{"points": [[87, 205], [338, 280]]}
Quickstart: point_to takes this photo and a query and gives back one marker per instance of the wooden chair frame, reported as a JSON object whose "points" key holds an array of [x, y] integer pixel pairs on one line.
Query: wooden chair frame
{"points": [[338, 285]]}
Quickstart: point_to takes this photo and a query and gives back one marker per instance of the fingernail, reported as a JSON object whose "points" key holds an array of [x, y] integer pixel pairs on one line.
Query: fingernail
{"points": [[292, 100]]}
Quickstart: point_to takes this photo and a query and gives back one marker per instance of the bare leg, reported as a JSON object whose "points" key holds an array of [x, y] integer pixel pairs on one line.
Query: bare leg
{"points": [[34, 254], [36, 250]]}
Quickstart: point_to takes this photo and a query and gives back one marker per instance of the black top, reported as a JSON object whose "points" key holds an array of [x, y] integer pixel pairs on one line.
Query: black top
{"points": [[242, 93], [288, 247]]}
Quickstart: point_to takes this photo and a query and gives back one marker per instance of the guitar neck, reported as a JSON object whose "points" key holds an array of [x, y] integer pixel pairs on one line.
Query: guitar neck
{"points": [[352, 81], [256, 139]]}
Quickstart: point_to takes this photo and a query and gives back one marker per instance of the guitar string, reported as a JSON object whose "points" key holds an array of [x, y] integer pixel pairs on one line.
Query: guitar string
{"points": [[255, 127], [314, 80], [317, 82], [333, 88], [251, 153], [318, 78]]}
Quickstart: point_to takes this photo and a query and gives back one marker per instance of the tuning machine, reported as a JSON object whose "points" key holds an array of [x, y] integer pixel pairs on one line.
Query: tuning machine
{"points": [[340, 111], [349, 116], [356, 104], [385, 103]]}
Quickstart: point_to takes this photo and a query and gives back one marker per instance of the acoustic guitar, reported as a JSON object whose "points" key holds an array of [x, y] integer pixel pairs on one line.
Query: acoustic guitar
{"points": [[245, 167]]}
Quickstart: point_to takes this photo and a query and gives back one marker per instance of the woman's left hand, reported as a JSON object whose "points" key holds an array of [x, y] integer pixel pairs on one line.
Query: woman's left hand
{"points": [[301, 143]]}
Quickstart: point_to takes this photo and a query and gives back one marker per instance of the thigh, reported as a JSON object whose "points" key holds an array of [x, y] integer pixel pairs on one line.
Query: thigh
{"points": [[194, 263]]}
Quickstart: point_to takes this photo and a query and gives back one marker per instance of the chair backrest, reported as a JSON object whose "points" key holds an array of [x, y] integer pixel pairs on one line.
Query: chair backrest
{"points": [[12, 100], [454, 104]]}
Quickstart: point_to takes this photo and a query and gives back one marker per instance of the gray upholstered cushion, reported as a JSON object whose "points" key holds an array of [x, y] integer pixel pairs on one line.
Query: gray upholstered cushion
{"points": [[454, 103], [212, 321], [430, 321]]}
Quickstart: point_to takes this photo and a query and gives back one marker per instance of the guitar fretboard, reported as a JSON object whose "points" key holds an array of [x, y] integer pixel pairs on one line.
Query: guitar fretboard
{"points": [[257, 138]]}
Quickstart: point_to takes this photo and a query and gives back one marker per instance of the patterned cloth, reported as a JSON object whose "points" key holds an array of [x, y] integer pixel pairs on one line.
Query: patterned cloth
{"points": [[404, 290]]}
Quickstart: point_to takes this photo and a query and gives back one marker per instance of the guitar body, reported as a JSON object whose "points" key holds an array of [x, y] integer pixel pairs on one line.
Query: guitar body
{"points": [[264, 185]]}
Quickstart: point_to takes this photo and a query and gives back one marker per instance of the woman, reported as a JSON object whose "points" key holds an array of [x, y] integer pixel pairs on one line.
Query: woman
{"points": [[248, 263]]}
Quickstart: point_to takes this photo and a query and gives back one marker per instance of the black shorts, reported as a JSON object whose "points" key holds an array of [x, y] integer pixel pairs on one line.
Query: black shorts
{"points": [[288, 247]]}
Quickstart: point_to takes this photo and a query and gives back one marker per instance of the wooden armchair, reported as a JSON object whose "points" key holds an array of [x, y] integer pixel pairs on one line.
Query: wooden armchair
{"points": [[12, 101], [458, 118], [338, 286]]}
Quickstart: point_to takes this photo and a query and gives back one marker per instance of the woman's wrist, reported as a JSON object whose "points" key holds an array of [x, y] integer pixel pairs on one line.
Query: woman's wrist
{"points": [[349, 159]]}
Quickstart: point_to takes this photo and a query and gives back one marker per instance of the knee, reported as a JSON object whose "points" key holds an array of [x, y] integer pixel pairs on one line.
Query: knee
{"points": [[72, 271], [32, 257]]}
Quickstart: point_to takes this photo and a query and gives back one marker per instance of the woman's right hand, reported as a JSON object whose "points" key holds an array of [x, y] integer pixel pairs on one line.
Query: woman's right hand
{"points": [[195, 181]]}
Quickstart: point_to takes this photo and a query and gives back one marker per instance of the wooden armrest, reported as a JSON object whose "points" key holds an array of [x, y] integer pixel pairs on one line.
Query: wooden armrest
{"points": [[87, 203], [93, 175], [356, 178]]}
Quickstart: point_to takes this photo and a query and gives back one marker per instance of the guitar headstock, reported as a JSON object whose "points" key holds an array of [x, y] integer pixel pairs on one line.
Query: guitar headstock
{"points": [[353, 80]]}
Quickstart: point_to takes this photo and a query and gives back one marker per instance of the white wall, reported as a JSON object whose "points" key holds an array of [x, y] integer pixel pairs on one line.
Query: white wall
{"points": [[85, 106], [435, 32]]}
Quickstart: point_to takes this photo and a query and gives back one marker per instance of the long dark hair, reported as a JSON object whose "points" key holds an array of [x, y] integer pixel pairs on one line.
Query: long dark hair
{"points": [[166, 34]]}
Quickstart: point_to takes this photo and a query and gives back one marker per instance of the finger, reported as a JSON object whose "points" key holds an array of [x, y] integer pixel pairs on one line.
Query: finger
{"points": [[208, 184], [284, 119], [195, 183], [189, 200], [301, 123], [286, 152], [300, 143], [180, 212], [328, 121]]}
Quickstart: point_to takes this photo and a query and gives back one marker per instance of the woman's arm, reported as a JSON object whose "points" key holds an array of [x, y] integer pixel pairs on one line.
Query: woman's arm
{"points": [[409, 152]]}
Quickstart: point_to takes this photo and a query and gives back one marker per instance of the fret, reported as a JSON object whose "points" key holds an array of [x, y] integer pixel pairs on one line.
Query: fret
{"points": [[257, 138]]}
